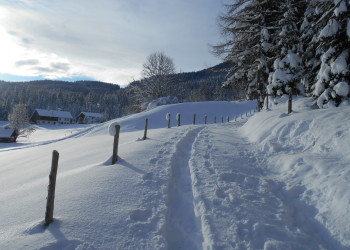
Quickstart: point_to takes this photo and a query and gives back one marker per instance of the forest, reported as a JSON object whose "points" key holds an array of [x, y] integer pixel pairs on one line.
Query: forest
{"points": [[110, 99], [282, 47]]}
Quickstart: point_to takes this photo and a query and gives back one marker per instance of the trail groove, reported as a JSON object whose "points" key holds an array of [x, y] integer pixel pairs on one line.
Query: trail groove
{"points": [[183, 229]]}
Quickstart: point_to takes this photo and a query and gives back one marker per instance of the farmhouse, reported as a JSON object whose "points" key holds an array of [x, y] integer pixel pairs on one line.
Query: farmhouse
{"points": [[8, 134], [88, 117], [43, 116]]}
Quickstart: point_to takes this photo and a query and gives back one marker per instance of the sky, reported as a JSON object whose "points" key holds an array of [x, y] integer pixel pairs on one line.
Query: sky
{"points": [[104, 40]]}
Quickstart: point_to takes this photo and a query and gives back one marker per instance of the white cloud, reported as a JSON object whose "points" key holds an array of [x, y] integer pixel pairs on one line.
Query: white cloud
{"points": [[107, 40]]}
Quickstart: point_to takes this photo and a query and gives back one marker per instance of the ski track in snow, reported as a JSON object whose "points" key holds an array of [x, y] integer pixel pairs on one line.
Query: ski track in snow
{"points": [[222, 199], [196, 187], [183, 230], [218, 196], [31, 145]]}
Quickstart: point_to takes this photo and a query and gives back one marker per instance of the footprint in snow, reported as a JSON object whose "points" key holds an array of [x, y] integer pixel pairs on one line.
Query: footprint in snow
{"points": [[140, 214]]}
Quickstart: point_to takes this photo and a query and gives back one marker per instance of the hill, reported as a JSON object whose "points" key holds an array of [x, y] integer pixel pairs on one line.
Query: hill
{"points": [[69, 96], [106, 98], [269, 181]]}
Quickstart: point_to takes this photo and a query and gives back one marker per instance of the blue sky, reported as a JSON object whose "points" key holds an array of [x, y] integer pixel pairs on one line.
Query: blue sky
{"points": [[106, 40]]}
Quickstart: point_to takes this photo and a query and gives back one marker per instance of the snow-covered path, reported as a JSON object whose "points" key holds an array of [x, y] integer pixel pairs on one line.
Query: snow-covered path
{"points": [[272, 183], [220, 197]]}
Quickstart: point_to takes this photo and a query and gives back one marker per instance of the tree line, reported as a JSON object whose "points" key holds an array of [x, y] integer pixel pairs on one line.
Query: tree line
{"points": [[288, 46], [110, 99]]}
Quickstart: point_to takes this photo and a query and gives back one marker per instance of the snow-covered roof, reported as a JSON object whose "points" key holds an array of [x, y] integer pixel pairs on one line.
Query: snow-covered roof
{"points": [[97, 115], [6, 132], [54, 113]]}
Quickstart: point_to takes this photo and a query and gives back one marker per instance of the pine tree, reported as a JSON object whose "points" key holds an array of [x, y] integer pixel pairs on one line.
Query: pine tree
{"points": [[332, 84], [309, 53], [288, 65], [250, 28]]}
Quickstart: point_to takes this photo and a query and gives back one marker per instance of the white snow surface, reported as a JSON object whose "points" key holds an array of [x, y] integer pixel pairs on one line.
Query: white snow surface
{"points": [[340, 66], [330, 29], [342, 89], [341, 7], [54, 113], [162, 101], [266, 181]]}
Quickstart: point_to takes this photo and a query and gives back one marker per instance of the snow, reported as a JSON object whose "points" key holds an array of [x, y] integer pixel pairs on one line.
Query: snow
{"points": [[54, 113], [309, 152], [283, 72], [342, 89], [305, 24], [6, 132], [97, 115], [341, 7], [267, 181], [340, 65], [330, 29], [323, 74], [162, 101], [112, 128]]}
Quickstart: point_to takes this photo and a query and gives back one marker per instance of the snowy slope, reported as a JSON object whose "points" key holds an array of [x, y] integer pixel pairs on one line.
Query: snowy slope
{"points": [[258, 185], [309, 151]]}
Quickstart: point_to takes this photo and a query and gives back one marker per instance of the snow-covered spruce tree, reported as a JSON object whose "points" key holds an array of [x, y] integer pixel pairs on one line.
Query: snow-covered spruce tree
{"points": [[249, 28], [19, 120], [332, 85], [287, 67], [310, 51]]}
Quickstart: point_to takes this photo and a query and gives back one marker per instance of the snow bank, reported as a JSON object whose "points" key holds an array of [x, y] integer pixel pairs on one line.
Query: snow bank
{"points": [[157, 116], [162, 101], [309, 150]]}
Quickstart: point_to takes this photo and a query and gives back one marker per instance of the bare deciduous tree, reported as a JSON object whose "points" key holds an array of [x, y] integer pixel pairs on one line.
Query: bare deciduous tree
{"points": [[19, 120], [157, 81], [156, 71]]}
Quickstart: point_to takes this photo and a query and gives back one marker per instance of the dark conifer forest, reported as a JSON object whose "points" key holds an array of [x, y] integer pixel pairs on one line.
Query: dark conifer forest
{"points": [[110, 99]]}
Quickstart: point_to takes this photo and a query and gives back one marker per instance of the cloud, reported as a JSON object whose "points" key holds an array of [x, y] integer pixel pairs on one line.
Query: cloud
{"points": [[27, 62], [60, 66], [91, 38]]}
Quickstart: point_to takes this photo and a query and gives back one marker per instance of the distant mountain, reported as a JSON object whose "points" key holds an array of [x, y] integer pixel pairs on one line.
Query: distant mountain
{"points": [[78, 86], [107, 98], [75, 97]]}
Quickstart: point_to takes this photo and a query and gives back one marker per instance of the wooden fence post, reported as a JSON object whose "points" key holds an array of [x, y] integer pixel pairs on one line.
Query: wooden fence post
{"points": [[115, 144], [290, 102], [146, 127], [51, 189], [194, 119], [228, 118], [267, 102], [205, 119], [168, 120], [178, 118]]}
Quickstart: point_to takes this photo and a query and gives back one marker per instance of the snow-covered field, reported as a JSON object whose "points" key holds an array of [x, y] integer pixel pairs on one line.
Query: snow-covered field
{"points": [[269, 181]]}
